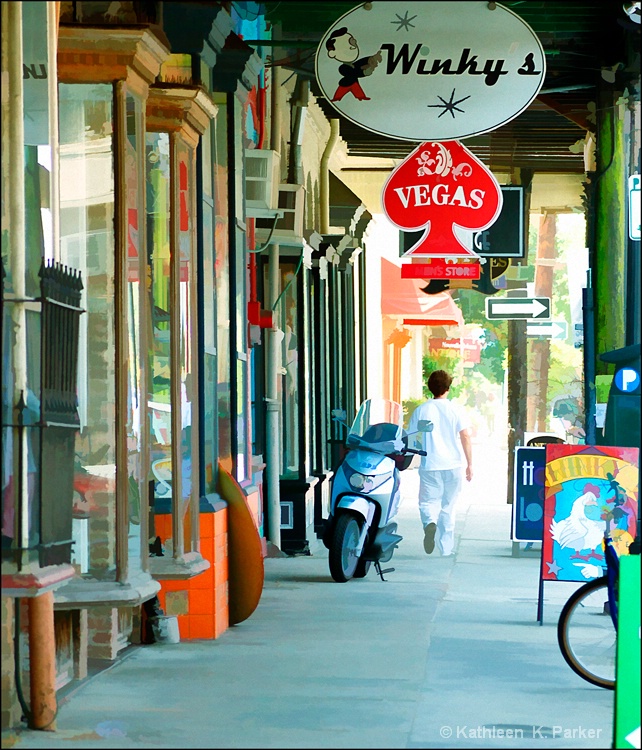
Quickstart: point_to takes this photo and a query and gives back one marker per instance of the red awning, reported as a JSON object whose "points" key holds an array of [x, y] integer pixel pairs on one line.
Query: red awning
{"points": [[404, 297]]}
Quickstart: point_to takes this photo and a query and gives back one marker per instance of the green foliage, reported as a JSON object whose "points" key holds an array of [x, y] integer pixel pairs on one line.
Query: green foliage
{"points": [[445, 361], [408, 407], [565, 371], [494, 340]]}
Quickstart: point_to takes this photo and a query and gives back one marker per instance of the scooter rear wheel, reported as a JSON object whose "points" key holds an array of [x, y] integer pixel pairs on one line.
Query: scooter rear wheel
{"points": [[342, 558]]}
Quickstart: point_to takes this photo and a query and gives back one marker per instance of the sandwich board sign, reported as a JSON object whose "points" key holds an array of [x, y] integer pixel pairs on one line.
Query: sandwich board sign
{"points": [[528, 498]]}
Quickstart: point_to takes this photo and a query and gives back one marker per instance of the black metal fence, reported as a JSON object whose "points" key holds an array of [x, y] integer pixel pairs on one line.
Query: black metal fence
{"points": [[48, 415]]}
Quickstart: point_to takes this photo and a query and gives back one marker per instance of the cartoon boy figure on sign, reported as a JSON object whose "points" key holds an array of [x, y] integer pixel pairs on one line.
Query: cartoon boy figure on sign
{"points": [[342, 46]]}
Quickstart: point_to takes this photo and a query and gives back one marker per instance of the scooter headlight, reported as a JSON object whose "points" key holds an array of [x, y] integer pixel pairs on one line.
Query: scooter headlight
{"points": [[365, 483], [357, 481]]}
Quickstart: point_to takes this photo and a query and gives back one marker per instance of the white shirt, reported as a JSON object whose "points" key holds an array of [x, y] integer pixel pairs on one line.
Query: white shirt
{"points": [[443, 444]]}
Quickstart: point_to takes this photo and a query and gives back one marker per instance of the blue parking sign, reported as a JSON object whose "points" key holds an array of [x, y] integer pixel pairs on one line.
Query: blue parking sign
{"points": [[528, 498], [627, 380]]}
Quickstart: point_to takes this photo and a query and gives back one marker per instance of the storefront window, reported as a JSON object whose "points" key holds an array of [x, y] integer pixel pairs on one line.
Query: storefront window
{"points": [[158, 237], [38, 153], [222, 259], [87, 244], [241, 388], [170, 172], [208, 391], [135, 272], [186, 331], [21, 524], [241, 442], [287, 311]]}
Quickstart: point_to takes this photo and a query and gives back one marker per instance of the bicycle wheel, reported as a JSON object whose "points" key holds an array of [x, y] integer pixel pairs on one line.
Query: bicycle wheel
{"points": [[587, 636]]}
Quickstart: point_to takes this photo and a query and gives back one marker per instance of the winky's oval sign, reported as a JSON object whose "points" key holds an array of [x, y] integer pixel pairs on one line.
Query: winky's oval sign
{"points": [[434, 71]]}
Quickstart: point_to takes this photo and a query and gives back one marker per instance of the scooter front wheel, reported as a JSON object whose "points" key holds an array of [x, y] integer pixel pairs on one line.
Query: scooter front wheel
{"points": [[342, 558], [363, 566]]}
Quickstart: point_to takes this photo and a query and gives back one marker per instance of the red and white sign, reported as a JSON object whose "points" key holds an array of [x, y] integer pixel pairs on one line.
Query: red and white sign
{"points": [[438, 187], [440, 268]]}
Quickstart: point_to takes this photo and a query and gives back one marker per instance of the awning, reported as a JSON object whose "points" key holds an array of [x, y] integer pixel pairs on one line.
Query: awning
{"points": [[404, 297]]}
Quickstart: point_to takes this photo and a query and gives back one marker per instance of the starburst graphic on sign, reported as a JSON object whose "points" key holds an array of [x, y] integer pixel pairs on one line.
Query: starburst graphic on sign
{"points": [[405, 22], [450, 106], [553, 568]]}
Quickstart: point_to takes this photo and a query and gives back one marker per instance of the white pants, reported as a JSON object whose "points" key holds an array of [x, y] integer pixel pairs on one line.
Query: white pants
{"points": [[438, 493]]}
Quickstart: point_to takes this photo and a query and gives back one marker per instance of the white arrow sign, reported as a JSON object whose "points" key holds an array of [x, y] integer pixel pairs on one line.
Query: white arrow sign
{"points": [[634, 738], [518, 308], [553, 330]]}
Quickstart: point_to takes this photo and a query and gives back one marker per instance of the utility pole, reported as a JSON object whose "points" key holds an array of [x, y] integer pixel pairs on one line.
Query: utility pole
{"points": [[537, 411], [517, 389], [273, 365], [517, 376]]}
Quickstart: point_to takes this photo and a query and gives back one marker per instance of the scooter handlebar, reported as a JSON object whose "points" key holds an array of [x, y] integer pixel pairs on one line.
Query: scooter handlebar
{"points": [[417, 452]]}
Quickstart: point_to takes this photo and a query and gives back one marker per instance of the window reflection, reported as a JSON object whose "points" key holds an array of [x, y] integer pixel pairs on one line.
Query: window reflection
{"points": [[87, 243], [172, 355], [158, 236], [133, 146], [287, 308], [186, 332], [222, 260]]}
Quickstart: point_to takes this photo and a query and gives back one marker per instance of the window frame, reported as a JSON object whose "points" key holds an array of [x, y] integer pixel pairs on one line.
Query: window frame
{"points": [[183, 112], [131, 62]]}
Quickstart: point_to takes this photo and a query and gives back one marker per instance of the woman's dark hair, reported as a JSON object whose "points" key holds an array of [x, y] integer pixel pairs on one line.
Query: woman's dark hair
{"points": [[439, 382]]}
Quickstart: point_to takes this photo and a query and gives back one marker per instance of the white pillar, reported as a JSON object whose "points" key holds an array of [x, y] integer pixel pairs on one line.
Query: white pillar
{"points": [[17, 254], [273, 407]]}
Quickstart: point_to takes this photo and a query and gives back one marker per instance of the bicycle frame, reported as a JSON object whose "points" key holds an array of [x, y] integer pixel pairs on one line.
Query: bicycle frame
{"points": [[612, 560]]}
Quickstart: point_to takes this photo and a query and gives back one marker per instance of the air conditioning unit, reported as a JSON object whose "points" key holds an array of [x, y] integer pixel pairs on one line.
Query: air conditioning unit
{"points": [[288, 229], [262, 175]]}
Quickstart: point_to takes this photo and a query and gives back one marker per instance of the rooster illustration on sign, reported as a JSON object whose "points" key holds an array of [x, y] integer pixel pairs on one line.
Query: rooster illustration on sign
{"points": [[583, 528]]}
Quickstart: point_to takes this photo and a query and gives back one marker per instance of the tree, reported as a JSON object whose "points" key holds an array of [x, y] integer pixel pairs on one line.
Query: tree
{"points": [[494, 338]]}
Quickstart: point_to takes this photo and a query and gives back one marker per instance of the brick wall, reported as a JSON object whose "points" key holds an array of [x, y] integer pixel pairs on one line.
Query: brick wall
{"points": [[108, 631], [200, 603], [11, 711]]}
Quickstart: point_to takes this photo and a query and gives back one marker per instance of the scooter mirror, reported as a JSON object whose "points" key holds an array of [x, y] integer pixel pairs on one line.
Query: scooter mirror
{"points": [[339, 415], [424, 425]]}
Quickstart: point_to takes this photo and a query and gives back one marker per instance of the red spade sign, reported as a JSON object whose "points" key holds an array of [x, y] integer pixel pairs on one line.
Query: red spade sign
{"points": [[437, 187]]}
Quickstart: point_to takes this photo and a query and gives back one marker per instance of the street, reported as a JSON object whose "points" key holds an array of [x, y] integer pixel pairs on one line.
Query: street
{"points": [[445, 653]]}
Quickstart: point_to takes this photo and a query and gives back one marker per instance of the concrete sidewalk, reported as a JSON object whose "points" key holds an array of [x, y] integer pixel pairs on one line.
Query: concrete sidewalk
{"points": [[446, 653]]}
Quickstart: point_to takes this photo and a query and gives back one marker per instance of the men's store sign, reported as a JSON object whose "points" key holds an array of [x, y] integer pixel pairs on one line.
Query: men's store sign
{"points": [[439, 70], [437, 188], [441, 268]]}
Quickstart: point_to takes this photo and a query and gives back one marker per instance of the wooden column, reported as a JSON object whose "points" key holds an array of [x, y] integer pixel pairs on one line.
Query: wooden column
{"points": [[42, 662]]}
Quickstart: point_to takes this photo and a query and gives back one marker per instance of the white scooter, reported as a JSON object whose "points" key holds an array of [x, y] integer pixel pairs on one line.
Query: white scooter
{"points": [[360, 529]]}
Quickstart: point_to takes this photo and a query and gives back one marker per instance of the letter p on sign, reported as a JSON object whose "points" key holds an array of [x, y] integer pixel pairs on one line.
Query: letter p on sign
{"points": [[627, 379]]}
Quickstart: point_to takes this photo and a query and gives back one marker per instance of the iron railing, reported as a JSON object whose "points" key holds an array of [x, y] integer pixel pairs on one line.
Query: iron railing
{"points": [[47, 414]]}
